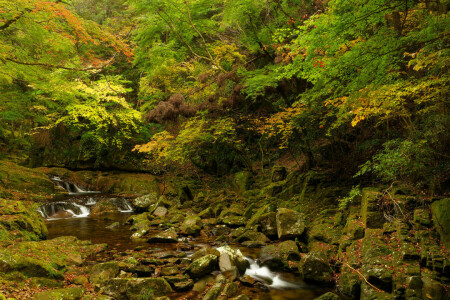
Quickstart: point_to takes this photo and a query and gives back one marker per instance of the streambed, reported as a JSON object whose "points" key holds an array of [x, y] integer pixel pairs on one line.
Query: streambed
{"points": [[72, 216]]}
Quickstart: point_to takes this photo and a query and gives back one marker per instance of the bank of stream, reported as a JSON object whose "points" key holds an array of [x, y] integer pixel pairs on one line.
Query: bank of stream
{"points": [[74, 215]]}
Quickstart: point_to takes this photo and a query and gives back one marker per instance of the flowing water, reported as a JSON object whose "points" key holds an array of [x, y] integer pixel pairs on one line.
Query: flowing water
{"points": [[72, 216]]}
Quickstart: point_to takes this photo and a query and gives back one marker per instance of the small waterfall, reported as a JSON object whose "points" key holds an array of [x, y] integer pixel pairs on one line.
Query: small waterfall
{"points": [[122, 204], [265, 275], [71, 188], [91, 201], [63, 210]]}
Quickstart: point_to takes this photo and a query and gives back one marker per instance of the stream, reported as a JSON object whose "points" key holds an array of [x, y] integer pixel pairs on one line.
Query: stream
{"points": [[71, 216]]}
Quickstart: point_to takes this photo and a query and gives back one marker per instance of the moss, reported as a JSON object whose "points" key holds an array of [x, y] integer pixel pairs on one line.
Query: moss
{"points": [[441, 212], [72, 293]]}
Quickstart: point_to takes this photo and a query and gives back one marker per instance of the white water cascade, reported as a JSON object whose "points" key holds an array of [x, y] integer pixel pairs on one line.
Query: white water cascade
{"points": [[71, 188], [265, 275]]}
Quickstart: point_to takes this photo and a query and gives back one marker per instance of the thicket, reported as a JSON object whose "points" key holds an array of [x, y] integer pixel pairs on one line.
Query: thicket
{"points": [[358, 87]]}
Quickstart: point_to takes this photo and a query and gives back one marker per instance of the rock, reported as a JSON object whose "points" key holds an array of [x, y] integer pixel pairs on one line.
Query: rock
{"points": [[349, 283], [238, 232], [202, 266], [204, 251], [180, 283], [145, 203], [422, 217], [220, 230], [242, 181], [241, 297], [441, 212], [431, 288], [253, 236], [280, 256], [328, 296], [234, 221], [103, 271], [169, 271], [231, 260], [113, 226], [136, 288], [314, 268], [216, 288], [290, 223], [72, 293], [206, 213], [167, 236], [192, 225], [371, 216], [127, 184], [268, 224], [161, 211], [253, 244], [278, 173], [141, 270]]}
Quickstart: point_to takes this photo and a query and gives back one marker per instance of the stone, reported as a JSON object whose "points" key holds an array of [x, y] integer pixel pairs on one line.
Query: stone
{"points": [[161, 211], [371, 216], [280, 256], [279, 173], [169, 271], [204, 251], [214, 292], [145, 203], [242, 181], [290, 223], [113, 226], [220, 230], [71, 293], [314, 268], [431, 288], [192, 225], [268, 224], [206, 213], [136, 288], [422, 217], [103, 271], [441, 212], [328, 296], [202, 266], [253, 236], [253, 244], [349, 283], [167, 236], [180, 283], [232, 259], [234, 221]]}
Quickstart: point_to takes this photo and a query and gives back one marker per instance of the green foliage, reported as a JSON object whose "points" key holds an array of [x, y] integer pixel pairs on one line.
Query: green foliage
{"points": [[354, 193]]}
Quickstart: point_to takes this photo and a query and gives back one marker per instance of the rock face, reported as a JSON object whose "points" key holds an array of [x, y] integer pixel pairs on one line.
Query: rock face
{"points": [[167, 236], [314, 267], [242, 181], [202, 266], [136, 288], [290, 224], [441, 212]]}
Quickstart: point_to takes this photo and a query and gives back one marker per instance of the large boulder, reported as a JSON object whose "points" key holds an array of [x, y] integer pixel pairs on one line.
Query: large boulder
{"points": [[254, 236], [314, 268], [290, 223], [232, 261], [280, 256], [146, 203], [104, 271], [202, 266], [167, 236], [192, 225], [136, 288], [268, 224], [242, 181]]}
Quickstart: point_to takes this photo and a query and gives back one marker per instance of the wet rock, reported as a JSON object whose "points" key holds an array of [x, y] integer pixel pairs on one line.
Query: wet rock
{"points": [[161, 211], [290, 223], [104, 271], [253, 244], [231, 260], [281, 255], [72, 293], [202, 266], [167, 236], [204, 251], [135, 288], [141, 270], [328, 296], [214, 292], [279, 173], [145, 203], [192, 225], [440, 211], [314, 267], [247, 280], [113, 226]]}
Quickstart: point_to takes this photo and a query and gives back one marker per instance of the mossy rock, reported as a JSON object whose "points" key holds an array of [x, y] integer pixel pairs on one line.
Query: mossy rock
{"points": [[280, 256], [128, 184], [103, 271], [72, 293], [48, 259], [242, 181], [19, 220], [290, 223], [192, 225], [328, 296], [136, 288], [371, 216], [203, 266], [441, 212], [314, 268]]}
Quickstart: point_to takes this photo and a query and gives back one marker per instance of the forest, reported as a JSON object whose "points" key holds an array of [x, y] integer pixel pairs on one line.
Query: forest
{"points": [[224, 149]]}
